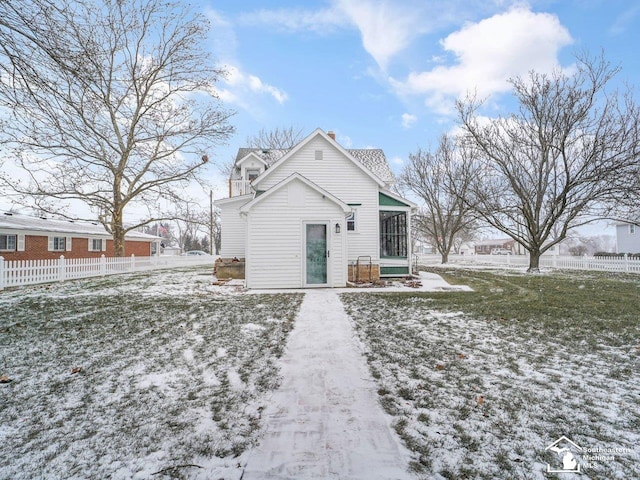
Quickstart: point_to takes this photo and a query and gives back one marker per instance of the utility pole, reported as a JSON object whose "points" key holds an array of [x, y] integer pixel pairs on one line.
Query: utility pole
{"points": [[211, 246]]}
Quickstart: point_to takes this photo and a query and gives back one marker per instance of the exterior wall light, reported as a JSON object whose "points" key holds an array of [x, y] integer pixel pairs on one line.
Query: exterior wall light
{"points": [[337, 228]]}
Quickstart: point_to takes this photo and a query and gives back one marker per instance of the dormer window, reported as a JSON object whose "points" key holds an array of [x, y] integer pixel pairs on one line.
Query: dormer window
{"points": [[252, 174]]}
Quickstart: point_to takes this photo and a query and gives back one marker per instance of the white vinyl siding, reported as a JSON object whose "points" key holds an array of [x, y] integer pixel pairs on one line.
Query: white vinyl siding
{"points": [[233, 227], [275, 253], [627, 242], [340, 177]]}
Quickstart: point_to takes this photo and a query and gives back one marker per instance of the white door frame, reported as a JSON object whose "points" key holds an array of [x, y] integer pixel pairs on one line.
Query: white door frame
{"points": [[303, 256]]}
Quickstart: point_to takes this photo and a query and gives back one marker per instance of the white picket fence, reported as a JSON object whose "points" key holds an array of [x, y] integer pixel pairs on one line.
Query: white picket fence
{"points": [[604, 264], [30, 272]]}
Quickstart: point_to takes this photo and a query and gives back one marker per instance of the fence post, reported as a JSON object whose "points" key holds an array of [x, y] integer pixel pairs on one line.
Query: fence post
{"points": [[62, 271], [554, 260], [103, 265], [1, 273], [626, 262], [133, 262]]}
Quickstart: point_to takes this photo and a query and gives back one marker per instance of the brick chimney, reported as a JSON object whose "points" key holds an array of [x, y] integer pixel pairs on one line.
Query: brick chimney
{"points": [[331, 134]]}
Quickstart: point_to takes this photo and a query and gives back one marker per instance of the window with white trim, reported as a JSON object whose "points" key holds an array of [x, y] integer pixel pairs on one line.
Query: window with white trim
{"points": [[351, 222], [95, 244], [59, 244], [632, 229], [8, 243], [252, 174]]}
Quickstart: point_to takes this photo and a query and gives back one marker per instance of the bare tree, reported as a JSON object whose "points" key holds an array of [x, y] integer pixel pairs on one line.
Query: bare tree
{"points": [[189, 219], [441, 179], [110, 103], [553, 165], [276, 139]]}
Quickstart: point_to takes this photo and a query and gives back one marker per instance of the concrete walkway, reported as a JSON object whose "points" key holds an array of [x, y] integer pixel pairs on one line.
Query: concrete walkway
{"points": [[325, 422]]}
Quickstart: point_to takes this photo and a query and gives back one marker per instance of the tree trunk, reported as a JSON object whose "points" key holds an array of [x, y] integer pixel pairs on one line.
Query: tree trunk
{"points": [[445, 257], [118, 234], [534, 261]]}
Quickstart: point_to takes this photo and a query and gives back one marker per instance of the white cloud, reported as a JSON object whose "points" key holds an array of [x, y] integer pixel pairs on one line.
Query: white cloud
{"points": [[397, 161], [239, 88], [408, 120], [256, 85], [625, 20], [296, 20], [386, 27], [488, 53]]}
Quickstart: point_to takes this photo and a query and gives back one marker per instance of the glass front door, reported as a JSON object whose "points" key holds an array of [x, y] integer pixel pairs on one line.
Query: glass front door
{"points": [[316, 252]]}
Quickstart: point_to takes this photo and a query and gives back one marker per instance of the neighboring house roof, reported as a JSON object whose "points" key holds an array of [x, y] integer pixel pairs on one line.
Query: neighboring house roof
{"points": [[373, 159], [295, 176], [16, 221], [494, 241]]}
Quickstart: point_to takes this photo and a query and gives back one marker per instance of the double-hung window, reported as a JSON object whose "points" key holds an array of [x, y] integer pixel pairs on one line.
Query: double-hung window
{"points": [[59, 244], [95, 244], [8, 243], [351, 222]]}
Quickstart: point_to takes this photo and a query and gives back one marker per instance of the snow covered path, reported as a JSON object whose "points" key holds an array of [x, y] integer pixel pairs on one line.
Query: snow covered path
{"points": [[325, 420]]}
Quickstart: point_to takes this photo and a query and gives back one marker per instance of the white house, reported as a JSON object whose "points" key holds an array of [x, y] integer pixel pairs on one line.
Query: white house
{"points": [[315, 215], [627, 238]]}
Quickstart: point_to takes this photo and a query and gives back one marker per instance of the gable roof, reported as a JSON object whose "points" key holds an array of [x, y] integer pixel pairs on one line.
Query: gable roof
{"points": [[372, 159], [295, 176], [251, 155], [16, 221]]}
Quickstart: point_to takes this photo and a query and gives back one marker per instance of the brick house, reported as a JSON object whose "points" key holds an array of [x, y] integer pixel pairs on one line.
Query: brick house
{"points": [[24, 237], [485, 247]]}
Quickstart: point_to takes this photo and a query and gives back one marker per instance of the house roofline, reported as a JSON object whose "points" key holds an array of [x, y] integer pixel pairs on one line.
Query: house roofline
{"points": [[251, 154], [397, 197], [334, 143], [295, 176], [223, 201]]}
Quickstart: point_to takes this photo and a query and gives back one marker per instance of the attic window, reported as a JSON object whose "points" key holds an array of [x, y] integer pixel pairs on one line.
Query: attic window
{"points": [[318, 155]]}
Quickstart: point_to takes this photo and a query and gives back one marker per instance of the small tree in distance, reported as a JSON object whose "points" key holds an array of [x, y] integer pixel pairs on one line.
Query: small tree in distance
{"points": [[555, 164], [441, 179]]}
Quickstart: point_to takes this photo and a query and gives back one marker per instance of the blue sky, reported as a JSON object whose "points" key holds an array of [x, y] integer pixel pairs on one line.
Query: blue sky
{"points": [[386, 73]]}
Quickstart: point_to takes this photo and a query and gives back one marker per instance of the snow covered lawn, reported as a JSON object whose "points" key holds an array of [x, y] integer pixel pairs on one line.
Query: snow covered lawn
{"points": [[481, 383], [126, 376]]}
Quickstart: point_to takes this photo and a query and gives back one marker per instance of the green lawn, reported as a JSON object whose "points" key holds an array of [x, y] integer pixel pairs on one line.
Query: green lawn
{"points": [[480, 383]]}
